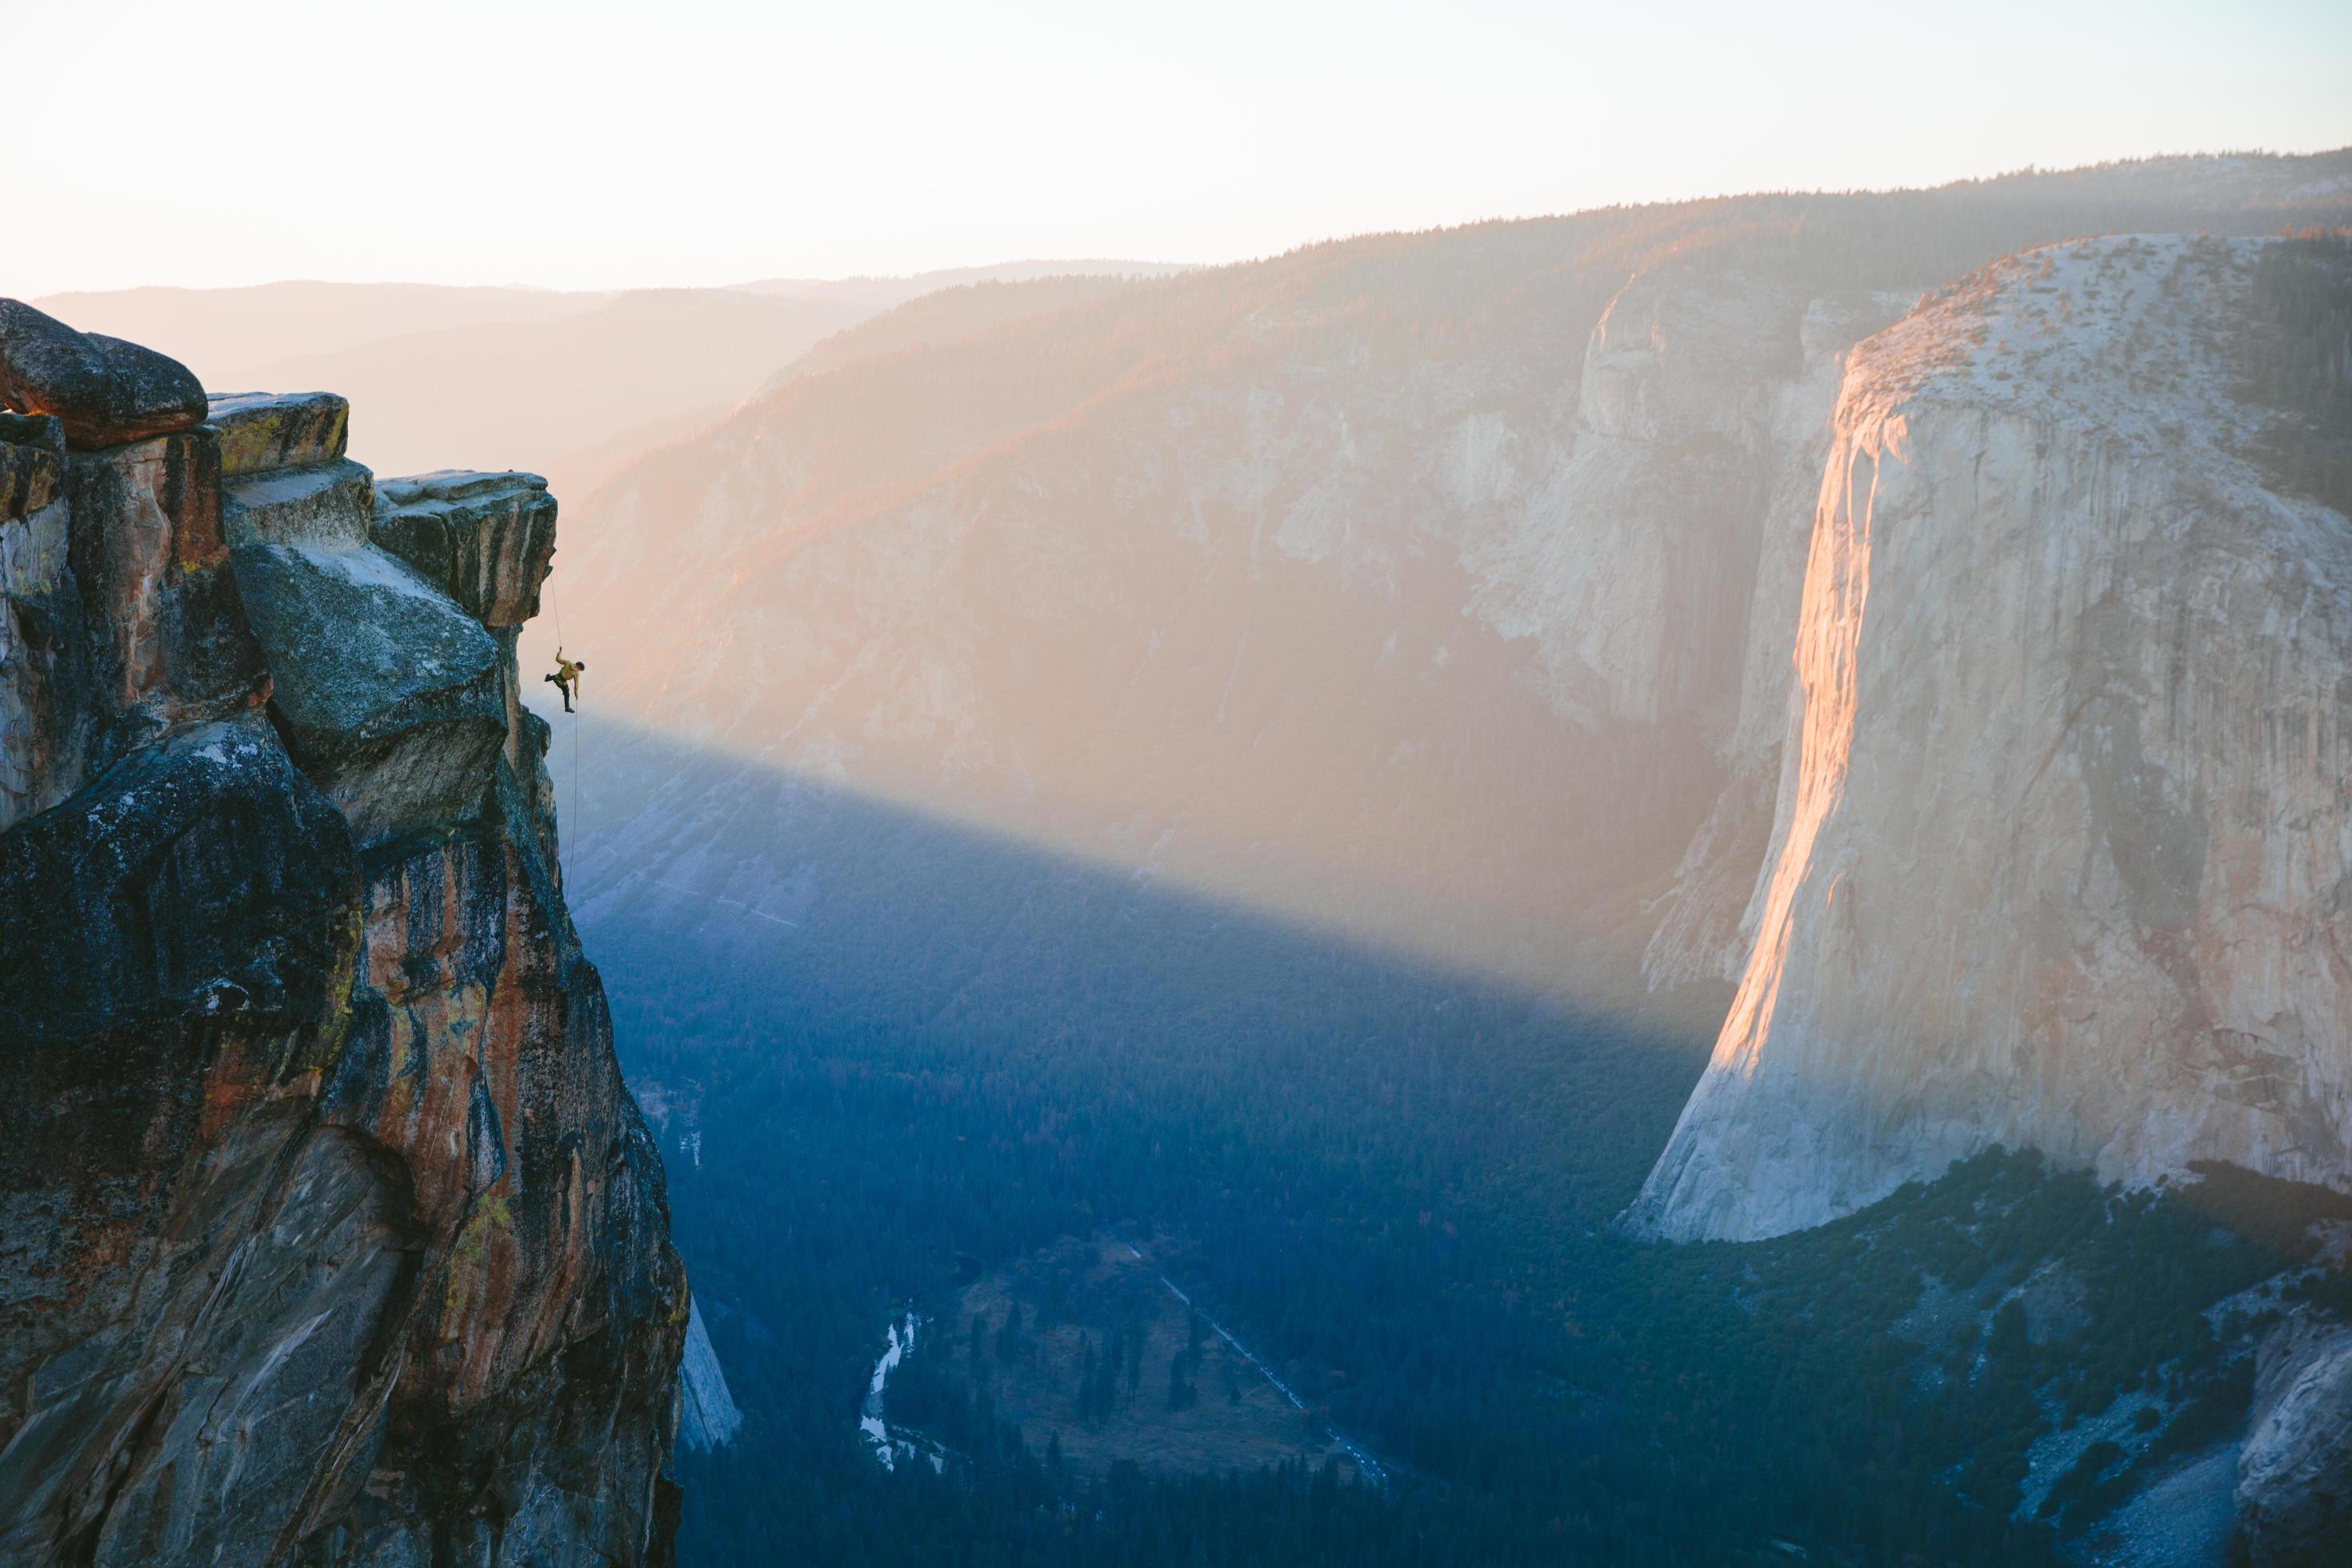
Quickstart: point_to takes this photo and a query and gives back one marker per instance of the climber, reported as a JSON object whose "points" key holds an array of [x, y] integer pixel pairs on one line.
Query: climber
{"points": [[567, 677]]}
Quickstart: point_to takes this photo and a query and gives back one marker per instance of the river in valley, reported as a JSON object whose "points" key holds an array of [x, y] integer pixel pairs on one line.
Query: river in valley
{"points": [[888, 1446]]}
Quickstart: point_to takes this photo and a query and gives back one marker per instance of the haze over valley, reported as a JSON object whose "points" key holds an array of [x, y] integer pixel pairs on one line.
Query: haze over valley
{"points": [[1550, 871]]}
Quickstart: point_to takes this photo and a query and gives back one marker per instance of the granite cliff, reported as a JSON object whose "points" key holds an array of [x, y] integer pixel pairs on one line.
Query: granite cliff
{"points": [[327, 1230], [2063, 851], [2063, 854]]}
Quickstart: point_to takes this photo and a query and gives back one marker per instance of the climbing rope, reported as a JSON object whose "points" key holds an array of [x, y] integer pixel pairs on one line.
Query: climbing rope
{"points": [[571, 816]]}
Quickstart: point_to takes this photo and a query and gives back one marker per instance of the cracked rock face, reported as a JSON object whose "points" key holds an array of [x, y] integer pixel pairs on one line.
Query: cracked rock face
{"points": [[2064, 855], [483, 539], [328, 1232]]}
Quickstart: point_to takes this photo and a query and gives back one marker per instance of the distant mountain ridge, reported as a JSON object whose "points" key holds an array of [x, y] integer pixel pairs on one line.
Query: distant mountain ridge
{"points": [[565, 382], [885, 292]]}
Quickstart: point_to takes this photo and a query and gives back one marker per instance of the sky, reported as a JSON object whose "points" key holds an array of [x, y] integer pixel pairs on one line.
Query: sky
{"points": [[692, 142]]}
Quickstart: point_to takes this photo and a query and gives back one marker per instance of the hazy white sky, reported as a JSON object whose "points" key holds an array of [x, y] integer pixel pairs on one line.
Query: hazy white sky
{"points": [[580, 144]]}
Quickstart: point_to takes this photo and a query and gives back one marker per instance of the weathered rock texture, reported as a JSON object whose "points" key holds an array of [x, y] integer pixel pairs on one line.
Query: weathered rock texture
{"points": [[2063, 854], [484, 539], [328, 1231], [2295, 1472]]}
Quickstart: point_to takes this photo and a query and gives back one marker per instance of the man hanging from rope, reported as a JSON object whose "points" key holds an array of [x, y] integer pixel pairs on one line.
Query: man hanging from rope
{"points": [[567, 677]]}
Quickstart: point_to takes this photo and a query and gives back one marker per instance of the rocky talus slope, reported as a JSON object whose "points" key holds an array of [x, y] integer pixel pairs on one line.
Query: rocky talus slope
{"points": [[327, 1230]]}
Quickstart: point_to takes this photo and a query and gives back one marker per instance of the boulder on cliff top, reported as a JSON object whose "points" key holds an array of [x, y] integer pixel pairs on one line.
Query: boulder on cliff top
{"points": [[486, 540], [105, 391], [265, 430]]}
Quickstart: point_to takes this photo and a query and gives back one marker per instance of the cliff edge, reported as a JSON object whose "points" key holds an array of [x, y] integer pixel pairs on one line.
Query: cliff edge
{"points": [[327, 1230]]}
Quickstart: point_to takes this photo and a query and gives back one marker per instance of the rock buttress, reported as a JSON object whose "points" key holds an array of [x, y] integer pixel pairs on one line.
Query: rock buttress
{"points": [[327, 1230], [2064, 855]]}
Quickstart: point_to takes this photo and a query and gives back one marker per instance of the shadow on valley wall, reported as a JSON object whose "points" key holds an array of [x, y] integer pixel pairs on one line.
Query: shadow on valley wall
{"points": [[813, 909]]}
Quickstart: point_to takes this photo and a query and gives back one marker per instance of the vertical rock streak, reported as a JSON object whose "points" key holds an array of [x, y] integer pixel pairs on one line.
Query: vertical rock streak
{"points": [[1829, 641], [1825, 659]]}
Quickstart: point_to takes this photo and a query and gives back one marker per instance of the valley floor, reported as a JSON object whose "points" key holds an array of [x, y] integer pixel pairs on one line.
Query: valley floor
{"points": [[1109, 1367]]}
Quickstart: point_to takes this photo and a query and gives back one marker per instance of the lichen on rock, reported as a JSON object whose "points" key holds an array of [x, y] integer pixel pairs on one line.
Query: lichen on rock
{"points": [[262, 431]]}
